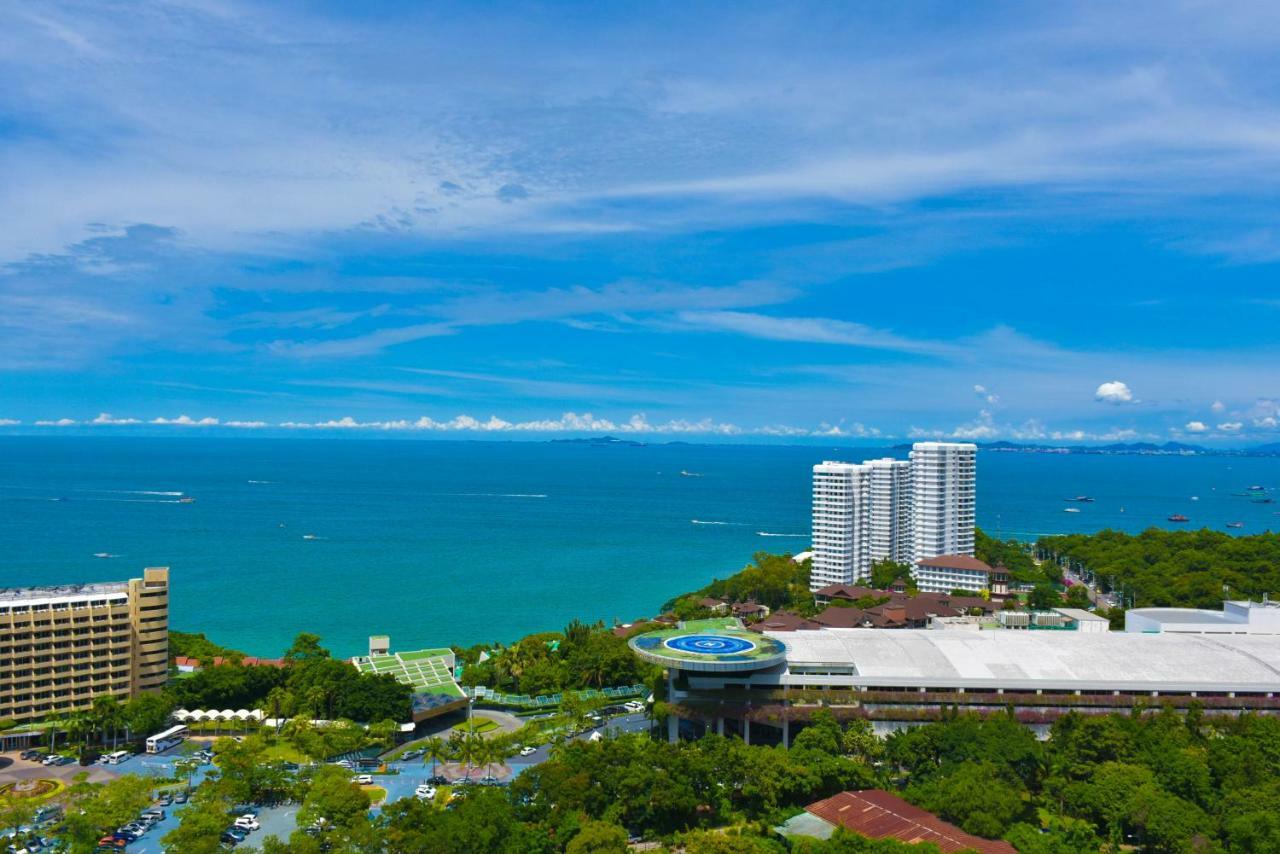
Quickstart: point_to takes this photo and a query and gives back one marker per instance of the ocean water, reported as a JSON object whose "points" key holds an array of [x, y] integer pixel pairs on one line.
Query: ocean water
{"points": [[438, 542]]}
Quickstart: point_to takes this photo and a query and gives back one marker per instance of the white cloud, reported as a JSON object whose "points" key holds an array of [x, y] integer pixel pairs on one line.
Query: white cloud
{"points": [[812, 330], [61, 422], [8, 422], [247, 425], [1230, 426], [186, 421], [1218, 406], [108, 418], [855, 430], [1196, 427], [1114, 392]]}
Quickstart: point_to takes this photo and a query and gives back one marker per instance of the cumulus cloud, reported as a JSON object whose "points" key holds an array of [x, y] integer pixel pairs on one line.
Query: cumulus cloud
{"points": [[1218, 406], [1196, 427], [108, 418], [986, 394], [1230, 426], [247, 425], [61, 422], [8, 422], [1114, 392], [856, 430], [186, 421]]}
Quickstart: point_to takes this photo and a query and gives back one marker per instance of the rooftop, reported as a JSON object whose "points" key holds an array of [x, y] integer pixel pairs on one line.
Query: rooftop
{"points": [[954, 562], [708, 649], [1085, 661], [880, 815], [427, 671], [20, 594]]}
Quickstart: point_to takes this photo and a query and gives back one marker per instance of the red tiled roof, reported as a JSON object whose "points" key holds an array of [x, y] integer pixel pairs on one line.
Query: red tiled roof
{"points": [[836, 617], [954, 562], [184, 661], [783, 621], [879, 815]]}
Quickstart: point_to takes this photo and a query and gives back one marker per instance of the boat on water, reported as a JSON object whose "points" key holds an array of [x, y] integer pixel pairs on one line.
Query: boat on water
{"points": [[186, 499], [1083, 499], [103, 555], [1195, 498], [310, 537], [1235, 524], [1178, 517], [684, 473], [1256, 488], [1070, 509]]}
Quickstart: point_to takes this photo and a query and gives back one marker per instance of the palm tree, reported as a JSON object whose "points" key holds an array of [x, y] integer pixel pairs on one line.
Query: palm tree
{"points": [[107, 714], [468, 749], [436, 749]]}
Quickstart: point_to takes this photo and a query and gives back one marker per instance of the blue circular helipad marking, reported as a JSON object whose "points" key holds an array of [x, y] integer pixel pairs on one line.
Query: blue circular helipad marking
{"points": [[709, 644]]}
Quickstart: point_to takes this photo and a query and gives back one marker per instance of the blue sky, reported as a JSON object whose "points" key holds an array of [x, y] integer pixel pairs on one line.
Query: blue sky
{"points": [[760, 221]]}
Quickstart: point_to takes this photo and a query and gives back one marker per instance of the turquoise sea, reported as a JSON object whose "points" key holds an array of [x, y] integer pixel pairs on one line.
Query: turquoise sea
{"points": [[438, 542]]}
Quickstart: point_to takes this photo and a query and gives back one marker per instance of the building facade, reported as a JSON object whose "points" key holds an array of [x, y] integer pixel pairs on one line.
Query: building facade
{"points": [[889, 526], [887, 509], [65, 646], [945, 573], [841, 521], [943, 496], [900, 678]]}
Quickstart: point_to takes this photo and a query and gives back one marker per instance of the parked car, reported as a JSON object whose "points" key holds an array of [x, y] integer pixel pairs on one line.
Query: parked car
{"points": [[528, 750], [230, 839], [32, 755], [180, 797], [410, 755], [248, 822], [426, 791], [363, 779], [438, 780], [165, 799], [155, 814], [240, 834]]}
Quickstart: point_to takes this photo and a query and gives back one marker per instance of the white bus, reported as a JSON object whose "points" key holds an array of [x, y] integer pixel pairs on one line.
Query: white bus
{"points": [[162, 741], [116, 758]]}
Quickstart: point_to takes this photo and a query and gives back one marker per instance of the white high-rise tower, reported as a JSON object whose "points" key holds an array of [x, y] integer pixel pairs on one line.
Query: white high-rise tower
{"points": [[943, 494], [890, 509], [841, 544]]}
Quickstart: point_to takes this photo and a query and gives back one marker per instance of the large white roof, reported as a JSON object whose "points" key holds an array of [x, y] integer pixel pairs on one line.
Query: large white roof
{"points": [[1040, 659]]}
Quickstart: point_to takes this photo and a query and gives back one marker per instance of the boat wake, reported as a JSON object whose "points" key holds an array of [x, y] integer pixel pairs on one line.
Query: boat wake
{"points": [[706, 522], [497, 494], [770, 534]]}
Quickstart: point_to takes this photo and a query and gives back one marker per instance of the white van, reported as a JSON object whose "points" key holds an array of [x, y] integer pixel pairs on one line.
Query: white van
{"points": [[117, 757]]}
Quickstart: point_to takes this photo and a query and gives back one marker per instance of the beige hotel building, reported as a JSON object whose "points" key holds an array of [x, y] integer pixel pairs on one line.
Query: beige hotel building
{"points": [[62, 647]]}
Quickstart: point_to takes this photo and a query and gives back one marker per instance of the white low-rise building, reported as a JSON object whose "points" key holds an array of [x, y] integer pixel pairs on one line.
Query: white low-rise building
{"points": [[1235, 618], [945, 573]]}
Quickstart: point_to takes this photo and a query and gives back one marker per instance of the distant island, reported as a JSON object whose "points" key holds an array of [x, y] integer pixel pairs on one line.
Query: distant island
{"points": [[1165, 449], [600, 440]]}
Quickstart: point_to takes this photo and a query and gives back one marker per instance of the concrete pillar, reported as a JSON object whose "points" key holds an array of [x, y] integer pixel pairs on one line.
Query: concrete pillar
{"points": [[786, 731], [719, 726], [746, 731], [673, 728]]}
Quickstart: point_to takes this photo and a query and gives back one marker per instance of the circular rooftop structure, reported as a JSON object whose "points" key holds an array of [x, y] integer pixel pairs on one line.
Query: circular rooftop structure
{"points": [[709, 650]]}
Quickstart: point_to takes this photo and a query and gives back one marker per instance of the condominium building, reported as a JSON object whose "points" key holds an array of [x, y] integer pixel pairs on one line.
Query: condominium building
{"points": [[890, 511], [841, 518], [887, 509], [62, 647], [943, 487]]}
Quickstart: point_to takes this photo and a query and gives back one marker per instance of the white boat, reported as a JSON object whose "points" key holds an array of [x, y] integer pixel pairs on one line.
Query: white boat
{"points": [[1070, 509], [310, 537]]}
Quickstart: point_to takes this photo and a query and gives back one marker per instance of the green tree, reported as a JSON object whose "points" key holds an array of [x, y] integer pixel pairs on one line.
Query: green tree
{"points": [[334, 798], [598, 837], [436, 750], [200, 824], [147, 714], [1043, 597], [306, 647], [95, 809], [974, 795]]}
